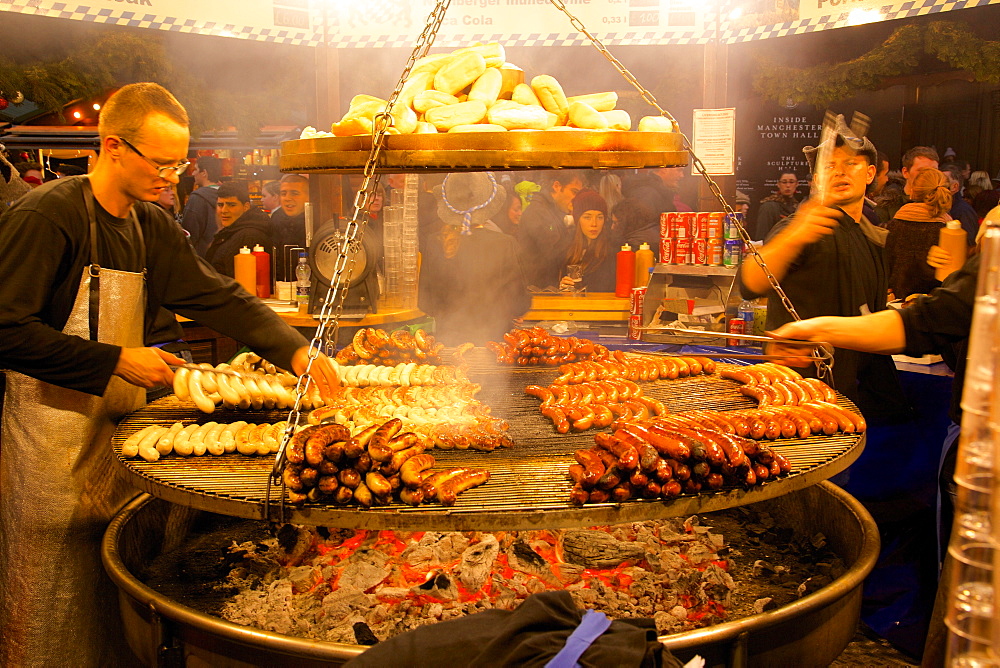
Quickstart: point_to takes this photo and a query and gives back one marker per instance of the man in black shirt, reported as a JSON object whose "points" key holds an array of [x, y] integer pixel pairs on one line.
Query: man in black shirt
{"points": [[546, 229], [288, 224], [84, 259], [242, 224], [199, 212]]}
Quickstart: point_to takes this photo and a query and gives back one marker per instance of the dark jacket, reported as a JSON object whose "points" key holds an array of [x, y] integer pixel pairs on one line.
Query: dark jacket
{"points": [[250, 229], [199, 218], [544, 239], [286, 232], [772, 209], [649, 189]]}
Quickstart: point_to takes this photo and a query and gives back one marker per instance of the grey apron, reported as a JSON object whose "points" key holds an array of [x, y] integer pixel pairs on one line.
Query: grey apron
{"points": [[60, 488]]}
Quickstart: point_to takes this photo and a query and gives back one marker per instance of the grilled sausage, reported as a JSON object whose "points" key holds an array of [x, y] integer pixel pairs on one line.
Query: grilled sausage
{"points": [[449, 490]]}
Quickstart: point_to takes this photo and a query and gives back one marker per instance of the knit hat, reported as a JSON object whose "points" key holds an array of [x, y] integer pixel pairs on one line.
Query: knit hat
{"points": [[851, 137], [468, 199], [742, 198], [588, 199]]}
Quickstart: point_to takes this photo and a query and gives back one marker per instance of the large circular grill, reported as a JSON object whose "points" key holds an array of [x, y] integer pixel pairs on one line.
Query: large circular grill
{"points": [[529, 488]]}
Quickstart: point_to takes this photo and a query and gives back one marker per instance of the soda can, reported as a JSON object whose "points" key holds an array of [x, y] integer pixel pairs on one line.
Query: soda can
{"points": [[686, 224], [759, 319], [701, 225], [715, 252], [699, 250], [731, 231], [668, 224], [715, 220], [682, 251], [667, 246], [636, 299], [635, 327], [736, 326], [732, 252]]}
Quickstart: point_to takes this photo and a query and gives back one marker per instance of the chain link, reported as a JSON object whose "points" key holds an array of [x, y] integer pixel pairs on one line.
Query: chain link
{"points": [[823, 367], [350, 243]]}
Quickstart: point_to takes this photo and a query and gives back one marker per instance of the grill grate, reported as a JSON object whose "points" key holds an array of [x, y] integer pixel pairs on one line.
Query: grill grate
{"points": [[528, 489]]}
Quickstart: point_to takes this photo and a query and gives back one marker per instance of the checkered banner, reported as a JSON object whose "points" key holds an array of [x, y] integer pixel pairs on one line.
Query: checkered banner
{"points": [[816, 15], [398, 23]]}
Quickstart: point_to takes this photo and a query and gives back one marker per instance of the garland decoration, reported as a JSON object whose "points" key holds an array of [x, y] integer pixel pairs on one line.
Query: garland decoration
{"points": [[121, 58], [822, 85]]}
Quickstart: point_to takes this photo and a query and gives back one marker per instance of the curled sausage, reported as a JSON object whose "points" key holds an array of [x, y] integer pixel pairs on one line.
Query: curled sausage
{"points": [[411, 472], [450, 489]]}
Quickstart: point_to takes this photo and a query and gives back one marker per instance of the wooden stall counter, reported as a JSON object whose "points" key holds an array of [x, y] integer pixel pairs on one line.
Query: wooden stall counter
{"points": [[594, 307]]}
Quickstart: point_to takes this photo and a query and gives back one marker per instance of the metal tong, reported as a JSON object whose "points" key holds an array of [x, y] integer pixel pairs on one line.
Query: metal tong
{"points": [[225, 372], [823, 349]]}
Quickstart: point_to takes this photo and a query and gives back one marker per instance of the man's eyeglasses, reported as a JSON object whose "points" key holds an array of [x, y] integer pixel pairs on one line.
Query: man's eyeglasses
{"points": [[162, 172]]}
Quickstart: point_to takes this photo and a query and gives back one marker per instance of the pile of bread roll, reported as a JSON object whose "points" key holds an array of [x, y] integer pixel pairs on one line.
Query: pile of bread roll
{"points": [[463, 91]]}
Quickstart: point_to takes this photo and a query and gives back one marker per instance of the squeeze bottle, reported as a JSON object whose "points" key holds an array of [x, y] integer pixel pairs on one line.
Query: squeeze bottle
{"points": [[303, 283], [245, 270], [624, 271], [953, 239], [644, 260], [263, 271]]}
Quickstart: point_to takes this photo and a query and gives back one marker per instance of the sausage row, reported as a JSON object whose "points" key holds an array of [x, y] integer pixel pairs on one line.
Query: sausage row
{"points": [[534, 346], [771, 422], [652, 459], [371, 467], [214, 438], [404, 374], [372, 345], [585, 406]]}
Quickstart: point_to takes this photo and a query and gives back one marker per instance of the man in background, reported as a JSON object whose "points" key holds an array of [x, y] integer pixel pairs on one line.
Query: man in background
{"points": [[269, 197], [546, 228], [777, 205], [241, 224], [288, 223], [915, 160], [961, 210], [199, 213]]}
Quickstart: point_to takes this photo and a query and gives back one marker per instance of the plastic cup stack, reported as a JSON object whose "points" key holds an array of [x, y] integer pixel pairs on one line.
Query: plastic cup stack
{"points": [[972, 619], [392, 296], [409, 245]]}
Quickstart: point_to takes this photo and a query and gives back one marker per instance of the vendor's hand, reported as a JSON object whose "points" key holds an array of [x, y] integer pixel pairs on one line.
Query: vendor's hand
{"points": [[566, 283], [800, 330], [938, 257], [323, 372], [811, 223], [146, 367]]}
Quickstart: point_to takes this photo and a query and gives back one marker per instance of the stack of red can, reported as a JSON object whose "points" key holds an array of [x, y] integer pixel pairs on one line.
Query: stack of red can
{"points": [[636, 300], [692, 238]]}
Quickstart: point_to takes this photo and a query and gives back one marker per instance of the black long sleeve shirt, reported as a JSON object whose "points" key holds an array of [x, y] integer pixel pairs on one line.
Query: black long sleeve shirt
{"points": [[45, 245]]}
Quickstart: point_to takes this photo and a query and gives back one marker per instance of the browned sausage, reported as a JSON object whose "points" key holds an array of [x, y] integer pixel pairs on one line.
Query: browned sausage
{"points": [[739, 375], [412, 469], [593, 467]]}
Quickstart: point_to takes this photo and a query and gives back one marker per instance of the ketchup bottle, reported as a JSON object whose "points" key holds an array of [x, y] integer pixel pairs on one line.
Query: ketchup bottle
{"points": [[263, 272], [624, 271]]}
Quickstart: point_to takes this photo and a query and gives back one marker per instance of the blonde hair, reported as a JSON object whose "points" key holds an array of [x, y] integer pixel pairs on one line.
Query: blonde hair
{"points": [[931, 187], [981, 179], [127, 109]]}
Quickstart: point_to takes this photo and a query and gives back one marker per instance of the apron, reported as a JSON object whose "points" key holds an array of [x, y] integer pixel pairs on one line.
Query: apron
{"points": [[61, 489]]}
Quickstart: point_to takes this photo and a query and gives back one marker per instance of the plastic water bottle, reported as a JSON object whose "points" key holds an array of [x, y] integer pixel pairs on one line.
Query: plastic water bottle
{"points": [[745, 310], [302, 283]]}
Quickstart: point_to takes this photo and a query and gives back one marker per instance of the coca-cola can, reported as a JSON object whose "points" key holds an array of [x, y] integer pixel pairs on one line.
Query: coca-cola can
{"points": [[686, 224], [701, 225], [682, 251], [635, 327], [668, 225], [636, 299], [737, 326], [699, 250], [715, 226], [667, 245]]}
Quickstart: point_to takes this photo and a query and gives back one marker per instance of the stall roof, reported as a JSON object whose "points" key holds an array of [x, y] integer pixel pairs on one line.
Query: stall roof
{"points": [[34, 137]]}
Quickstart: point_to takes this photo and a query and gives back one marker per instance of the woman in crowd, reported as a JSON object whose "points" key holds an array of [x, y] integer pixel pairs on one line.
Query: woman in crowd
{"points": [[633, 222], [592, 246], [510, 217], [914, 229]]}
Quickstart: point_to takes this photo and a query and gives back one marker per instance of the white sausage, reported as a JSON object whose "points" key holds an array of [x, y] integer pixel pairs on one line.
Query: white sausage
{"points": [[204, 404], [182, 442], [256, 397], [130, 448], [243, 444], [181, 384], [267, 392], [229, 395], [208, 378], [166, 443], [212, 441], [227, 438], [197, 440], [147, 446]]}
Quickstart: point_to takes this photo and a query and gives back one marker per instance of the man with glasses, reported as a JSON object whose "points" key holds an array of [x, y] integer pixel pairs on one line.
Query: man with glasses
{"points": [[777, 205], [199, 212], [87, 263]]}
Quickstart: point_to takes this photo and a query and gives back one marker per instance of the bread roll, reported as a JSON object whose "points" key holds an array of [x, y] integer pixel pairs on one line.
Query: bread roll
{"points": [[464, 113], [459, 73], [404, 120], [431, 63], [492, 53], [478, 127], [582, 115], [425, 128], [618, 119], [523, 94], [599, 101], [364, 101], [551, 95], [352, 126], [417, 83], [655, 124], [487, 86], [432, 98], [515, 116]]}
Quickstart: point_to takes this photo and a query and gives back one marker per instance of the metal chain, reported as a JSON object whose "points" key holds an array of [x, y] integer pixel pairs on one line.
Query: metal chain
{"points": [[349, 245], [823, 367]]}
